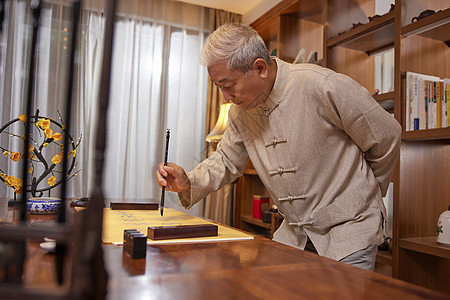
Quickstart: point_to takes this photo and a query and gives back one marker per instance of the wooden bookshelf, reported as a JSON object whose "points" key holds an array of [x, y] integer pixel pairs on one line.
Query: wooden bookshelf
{"points": [[384, 257], [249, 219], [436, 26], [384, 96], [248, 186], [427, 134], [383, 264], [248, 171], [386, 100], [372, 37], [427, 245]]}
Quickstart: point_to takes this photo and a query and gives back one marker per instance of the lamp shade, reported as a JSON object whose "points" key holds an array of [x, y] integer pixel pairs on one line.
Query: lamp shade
{"points": [[216, 134]]}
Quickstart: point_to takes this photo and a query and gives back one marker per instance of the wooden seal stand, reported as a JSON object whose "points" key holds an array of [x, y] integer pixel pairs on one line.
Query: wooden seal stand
{"points": [[134, 243]]}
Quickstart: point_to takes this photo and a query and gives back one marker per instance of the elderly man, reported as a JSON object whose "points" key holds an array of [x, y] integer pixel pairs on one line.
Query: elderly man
{"points": [[322, 146]]}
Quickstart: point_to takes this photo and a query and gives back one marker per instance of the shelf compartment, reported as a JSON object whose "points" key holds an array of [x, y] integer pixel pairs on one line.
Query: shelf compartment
{"points": [[386, 100], [249, 219], [426, 134], [427, 245], [307, 10], [384, 257], [384, 96], [268, 24], [436, 27], [250, 172], [372, 37], [304, 9]]}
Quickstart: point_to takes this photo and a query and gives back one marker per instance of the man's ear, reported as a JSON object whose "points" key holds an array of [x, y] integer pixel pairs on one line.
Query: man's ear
{"points": [[260, 66]]}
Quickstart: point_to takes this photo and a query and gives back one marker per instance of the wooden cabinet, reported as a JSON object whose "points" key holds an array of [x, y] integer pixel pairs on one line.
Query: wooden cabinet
{"points": [[347, 42]]}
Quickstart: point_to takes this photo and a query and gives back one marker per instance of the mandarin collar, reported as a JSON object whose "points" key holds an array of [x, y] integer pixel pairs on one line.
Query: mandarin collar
{"points": [[275, 96]]}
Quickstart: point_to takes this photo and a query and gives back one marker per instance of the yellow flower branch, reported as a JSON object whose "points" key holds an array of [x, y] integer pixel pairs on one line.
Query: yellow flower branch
{"points": [[49, 136]]}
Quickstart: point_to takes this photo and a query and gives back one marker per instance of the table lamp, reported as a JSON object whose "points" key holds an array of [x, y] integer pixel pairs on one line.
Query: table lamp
{"points": [[216, 134]]}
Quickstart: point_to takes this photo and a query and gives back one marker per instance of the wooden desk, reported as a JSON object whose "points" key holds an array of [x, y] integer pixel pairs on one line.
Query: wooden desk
{"points": [[252, 269], [257, 269]]}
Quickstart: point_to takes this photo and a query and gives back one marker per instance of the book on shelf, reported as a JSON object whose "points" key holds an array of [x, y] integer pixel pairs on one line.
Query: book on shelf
{"points": [[446, 93], [426, 102]]}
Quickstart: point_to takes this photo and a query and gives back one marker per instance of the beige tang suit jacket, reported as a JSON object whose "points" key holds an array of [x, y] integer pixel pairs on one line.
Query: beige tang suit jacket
{"points": [[324, 149]]}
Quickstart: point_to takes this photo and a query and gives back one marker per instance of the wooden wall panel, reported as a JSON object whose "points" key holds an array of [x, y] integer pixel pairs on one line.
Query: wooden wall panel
{"points": [[425, 188], [425, 56], [289, 37], [343, 13], [356, 64], [298, 33]]}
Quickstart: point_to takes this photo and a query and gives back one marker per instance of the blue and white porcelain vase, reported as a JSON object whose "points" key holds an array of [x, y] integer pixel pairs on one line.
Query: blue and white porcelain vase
{"points": [[43, 205]]}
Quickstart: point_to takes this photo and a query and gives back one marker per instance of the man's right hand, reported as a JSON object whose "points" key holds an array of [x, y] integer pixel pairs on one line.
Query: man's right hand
{"points": [[176, 178]]}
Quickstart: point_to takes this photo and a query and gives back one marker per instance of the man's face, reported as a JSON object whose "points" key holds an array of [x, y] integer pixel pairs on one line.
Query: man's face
{"points": [[247, 90]]}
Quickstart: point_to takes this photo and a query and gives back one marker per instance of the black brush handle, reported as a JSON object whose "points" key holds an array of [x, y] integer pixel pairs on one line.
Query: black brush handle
{"points": [[166, 154]]}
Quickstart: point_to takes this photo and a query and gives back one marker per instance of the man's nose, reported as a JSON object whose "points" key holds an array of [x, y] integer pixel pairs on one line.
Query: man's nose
{"points": [[228, 96]]}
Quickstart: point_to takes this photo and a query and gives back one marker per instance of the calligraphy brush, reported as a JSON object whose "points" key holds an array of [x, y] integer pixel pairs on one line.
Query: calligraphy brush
{"points": [[165, 163]]}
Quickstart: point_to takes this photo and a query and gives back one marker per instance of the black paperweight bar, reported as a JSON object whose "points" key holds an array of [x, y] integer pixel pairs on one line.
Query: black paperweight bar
{"points": [[134, 206], [181, 231]]}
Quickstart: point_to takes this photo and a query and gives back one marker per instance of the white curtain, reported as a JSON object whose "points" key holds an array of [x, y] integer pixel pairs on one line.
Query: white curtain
{"points": [[156, 83], [50, 83]]}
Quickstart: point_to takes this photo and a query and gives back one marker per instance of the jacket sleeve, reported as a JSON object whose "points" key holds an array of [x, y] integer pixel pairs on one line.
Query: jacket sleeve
{"points": [[352, 108], [222, 167]]}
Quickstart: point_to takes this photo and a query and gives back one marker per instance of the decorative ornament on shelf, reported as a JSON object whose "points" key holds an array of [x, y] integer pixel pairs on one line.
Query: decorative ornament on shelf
{"points": [[46, 152], [443, 228], [300, 57]]}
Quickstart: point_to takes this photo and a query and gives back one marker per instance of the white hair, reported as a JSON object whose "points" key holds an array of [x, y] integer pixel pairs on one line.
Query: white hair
{"points": [[237, 44]]}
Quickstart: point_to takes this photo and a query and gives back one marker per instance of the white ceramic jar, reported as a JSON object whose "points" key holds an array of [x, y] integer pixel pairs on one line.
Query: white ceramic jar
{"points": [[443, 228]]}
